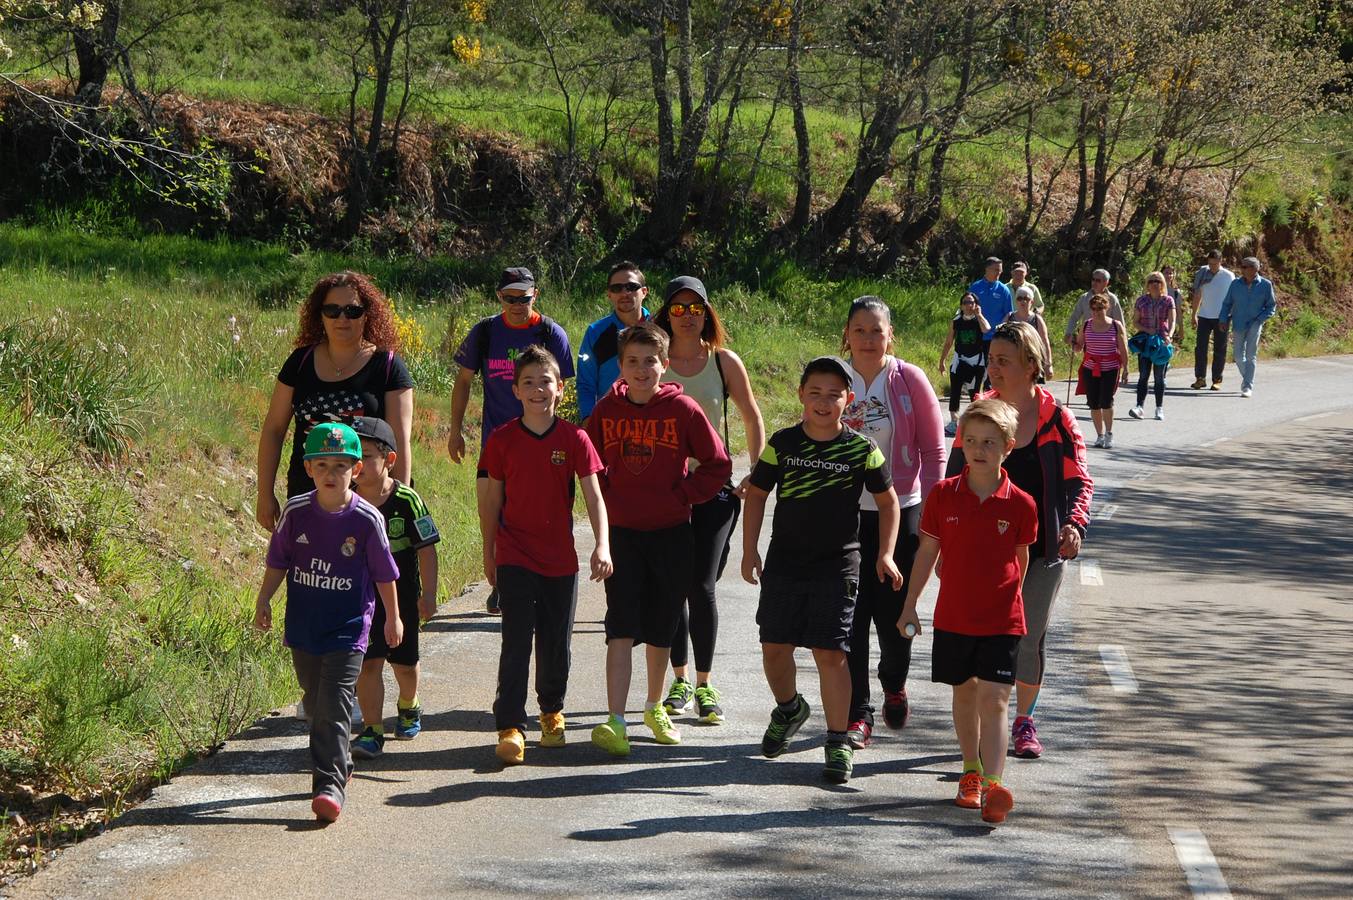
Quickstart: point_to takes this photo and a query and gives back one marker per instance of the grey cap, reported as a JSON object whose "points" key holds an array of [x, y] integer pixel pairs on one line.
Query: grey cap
{"points": [[1252, 262], [375, 429], [685, 283], [830, 365], [517, 278]]}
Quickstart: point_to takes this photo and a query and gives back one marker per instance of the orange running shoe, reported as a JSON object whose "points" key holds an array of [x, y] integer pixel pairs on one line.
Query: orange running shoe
{"points": [[997, 801], [969, 791]]}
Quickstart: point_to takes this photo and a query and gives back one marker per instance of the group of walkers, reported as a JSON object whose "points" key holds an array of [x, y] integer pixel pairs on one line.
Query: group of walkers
{"points": [[1098, 331], [651, 456]]}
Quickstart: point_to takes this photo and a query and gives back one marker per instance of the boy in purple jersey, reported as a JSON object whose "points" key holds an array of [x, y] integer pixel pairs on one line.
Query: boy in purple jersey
{"points": [[330, 548]]}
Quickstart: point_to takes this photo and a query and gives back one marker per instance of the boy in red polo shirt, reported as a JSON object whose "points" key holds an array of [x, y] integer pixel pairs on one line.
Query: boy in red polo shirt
{"points": [[984, 525], [526, 520]]}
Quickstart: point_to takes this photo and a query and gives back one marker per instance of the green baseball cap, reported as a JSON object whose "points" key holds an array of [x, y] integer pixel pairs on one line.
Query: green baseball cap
{"points": [[332, 439]]}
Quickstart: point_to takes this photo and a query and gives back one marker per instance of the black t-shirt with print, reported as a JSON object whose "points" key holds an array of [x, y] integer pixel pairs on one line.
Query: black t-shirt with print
{"points": [[314, 401], [817, 501], [410, 528], [967, 336]]}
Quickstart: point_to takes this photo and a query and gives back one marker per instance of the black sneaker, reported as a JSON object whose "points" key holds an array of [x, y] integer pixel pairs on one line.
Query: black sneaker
{"points": [[707, 704], [840, 762], [782, 727], [896, 709], [491, 605]]}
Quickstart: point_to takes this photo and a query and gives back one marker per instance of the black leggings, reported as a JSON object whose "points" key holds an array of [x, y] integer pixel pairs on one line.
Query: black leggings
{"points": [[880, 604], [712, 522], [965, 373], [1144, 369]]}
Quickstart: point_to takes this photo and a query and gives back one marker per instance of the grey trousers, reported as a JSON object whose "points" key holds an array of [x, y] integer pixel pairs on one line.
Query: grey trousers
{"points": [[328, 689], [1040, 589]]}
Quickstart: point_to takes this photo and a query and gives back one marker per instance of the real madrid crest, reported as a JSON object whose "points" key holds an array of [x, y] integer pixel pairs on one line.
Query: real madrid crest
{"points": [[349, 546]]}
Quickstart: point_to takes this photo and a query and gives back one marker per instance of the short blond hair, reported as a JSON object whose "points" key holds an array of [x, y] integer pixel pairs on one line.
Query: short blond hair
{"points": [[997, 412]]}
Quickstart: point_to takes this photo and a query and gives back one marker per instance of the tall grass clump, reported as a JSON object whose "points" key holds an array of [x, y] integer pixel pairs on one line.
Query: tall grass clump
{"points": [[94, 392]]}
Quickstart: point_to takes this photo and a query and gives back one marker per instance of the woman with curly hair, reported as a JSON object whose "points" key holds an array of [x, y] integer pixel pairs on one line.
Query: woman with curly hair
{"points": [[344, 366]]}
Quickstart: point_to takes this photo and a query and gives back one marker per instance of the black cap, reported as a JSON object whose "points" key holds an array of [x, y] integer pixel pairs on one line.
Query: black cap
{"points": [[375, 429], [517, 278], [685, 283], [831, 365]]}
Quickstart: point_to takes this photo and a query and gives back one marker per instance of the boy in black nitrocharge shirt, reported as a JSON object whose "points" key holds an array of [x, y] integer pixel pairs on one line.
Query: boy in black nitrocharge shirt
{"points": [[812, 572]]}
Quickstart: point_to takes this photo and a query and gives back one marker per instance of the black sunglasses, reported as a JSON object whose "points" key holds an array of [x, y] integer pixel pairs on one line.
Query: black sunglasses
{"points": [[524, 298], [351, 310], [628, 287]]}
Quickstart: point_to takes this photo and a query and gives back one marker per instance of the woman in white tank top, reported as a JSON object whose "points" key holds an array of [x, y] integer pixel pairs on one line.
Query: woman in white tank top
{"points": [[712, 375]]}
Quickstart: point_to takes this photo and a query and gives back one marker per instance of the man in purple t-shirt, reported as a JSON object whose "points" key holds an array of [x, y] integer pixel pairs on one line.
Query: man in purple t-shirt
{"points": [[331, 550], [491, 349]]}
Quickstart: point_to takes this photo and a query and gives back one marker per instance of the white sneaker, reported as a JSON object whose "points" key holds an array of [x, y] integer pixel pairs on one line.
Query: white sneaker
{"points": [[1099, 440], [1135, 412], [1108, 440], [1160, 414], [1246, 392]]}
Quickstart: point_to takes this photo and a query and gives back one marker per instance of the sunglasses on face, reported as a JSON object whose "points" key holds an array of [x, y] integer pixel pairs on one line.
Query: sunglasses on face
{"points": [[677, 310], [524, 298], [627, 287], [334, 310]]}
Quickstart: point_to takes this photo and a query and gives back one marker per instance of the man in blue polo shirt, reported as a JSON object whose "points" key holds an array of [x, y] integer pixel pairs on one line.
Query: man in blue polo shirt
{"points": [[598, 365], [1249, 303], [996, 301]]}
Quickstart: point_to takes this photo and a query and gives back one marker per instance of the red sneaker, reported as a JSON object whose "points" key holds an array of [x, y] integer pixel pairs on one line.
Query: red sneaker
{"points": [[969, 791], [859, 733], [326, 807], [997, 801], [896, 709]]}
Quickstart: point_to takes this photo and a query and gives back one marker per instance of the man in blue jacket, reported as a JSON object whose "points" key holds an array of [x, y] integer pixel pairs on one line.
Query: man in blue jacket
{"points": [[598, 365], [1249, 304]]}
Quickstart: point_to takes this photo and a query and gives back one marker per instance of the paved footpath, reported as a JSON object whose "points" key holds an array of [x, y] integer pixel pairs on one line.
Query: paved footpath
{"points": [[1196, 711]]}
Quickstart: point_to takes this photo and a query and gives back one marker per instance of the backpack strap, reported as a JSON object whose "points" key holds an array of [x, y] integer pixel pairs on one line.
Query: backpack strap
{"points": [[482, 337], [723, 383]]}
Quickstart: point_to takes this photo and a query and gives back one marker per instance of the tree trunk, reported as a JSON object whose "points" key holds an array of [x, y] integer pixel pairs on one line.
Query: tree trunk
{"points": [[95, 50], [803, 162]]}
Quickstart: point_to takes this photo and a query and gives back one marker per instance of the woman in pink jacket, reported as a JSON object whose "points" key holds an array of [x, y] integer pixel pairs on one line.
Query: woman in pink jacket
{"points": [[894, 405]]}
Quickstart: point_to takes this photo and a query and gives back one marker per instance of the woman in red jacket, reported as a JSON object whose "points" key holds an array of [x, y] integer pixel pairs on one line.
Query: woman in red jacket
{"points": [[1048, 463]]}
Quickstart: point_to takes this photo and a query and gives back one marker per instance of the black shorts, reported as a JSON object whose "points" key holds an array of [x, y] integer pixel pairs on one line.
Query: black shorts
{"points": [[406, 654], [1099, 389], [955, 658], [645, 592], [813, 611]]}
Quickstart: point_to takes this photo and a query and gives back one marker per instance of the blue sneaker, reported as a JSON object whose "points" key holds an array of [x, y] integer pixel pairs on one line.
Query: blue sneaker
{"points": [[369, 745], [409, 723]]}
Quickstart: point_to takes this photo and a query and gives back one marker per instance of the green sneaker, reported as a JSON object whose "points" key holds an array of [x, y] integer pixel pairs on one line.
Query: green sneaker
{"points": [[664, 732], [610, 736], [679, 697], [707, 704], [840, 761], [782, 727]]}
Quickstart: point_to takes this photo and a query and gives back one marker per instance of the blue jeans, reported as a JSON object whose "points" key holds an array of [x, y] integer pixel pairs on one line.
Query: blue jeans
{"points": [[1246, 350]]}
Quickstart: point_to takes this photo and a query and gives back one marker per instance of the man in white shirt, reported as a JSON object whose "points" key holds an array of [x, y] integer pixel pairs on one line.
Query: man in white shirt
{"points": [[1210, 284]]}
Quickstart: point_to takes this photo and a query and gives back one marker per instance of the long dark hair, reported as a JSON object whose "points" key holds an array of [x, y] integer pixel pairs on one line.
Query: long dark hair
{"points": [[712, 333]]}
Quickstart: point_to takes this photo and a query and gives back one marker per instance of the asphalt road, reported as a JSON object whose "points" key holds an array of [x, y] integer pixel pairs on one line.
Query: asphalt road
{"points": [[1206, 754]]}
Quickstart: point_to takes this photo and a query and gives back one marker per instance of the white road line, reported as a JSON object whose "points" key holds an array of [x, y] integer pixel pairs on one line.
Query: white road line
{"points": [[1090, 573], [1107, 512], [1199, 865], [1323, 415], [1119, 669]]}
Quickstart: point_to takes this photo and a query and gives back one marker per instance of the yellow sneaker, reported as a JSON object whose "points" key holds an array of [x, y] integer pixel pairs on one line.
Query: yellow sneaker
{"points": [[656, 718], [511, 747], [552, 729]]}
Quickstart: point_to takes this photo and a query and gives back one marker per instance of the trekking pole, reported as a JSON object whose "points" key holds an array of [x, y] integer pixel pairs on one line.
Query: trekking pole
{"points": [[1070, 367]]}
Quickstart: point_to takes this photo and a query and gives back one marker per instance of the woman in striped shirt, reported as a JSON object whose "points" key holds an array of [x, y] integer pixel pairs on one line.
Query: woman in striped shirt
{"points": [[1105, 346]]}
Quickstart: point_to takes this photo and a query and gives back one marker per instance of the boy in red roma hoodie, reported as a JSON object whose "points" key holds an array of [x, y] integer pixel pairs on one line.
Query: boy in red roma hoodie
{"points": [[645, 431]]}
